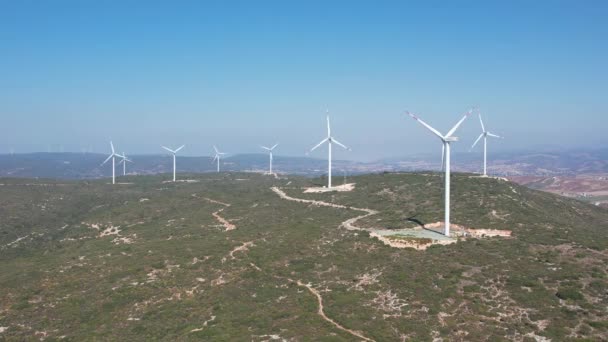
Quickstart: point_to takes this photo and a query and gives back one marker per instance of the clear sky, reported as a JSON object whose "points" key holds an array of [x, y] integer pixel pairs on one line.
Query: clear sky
{"points": [[74, 74]]}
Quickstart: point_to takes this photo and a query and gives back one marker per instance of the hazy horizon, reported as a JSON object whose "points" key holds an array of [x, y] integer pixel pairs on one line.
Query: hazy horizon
{"points": [[430, 155]]}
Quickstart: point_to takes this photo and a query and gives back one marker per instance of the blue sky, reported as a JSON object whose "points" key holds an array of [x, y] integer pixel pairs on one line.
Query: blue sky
{"points": [[74, 74]]}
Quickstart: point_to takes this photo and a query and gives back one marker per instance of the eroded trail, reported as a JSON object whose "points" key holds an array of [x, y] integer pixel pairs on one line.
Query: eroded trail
{"points": [[227, 225], [348, 224], [15, 242], [244, 247], [321, 311]]}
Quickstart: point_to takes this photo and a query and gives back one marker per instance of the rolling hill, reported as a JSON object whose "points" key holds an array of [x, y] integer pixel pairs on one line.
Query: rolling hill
{"points": [[87, 165], [242, 256], [519, 163]]}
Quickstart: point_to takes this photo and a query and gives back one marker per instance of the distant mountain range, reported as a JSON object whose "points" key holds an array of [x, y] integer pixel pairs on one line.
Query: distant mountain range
{"points": [[87, 165], [519, 163]]}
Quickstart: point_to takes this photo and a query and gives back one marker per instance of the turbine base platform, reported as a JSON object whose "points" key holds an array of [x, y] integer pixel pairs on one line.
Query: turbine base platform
{"points": [[339, 188]]}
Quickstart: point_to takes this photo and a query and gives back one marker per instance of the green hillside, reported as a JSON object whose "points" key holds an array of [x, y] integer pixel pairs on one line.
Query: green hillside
{"points": [[224, 258]]}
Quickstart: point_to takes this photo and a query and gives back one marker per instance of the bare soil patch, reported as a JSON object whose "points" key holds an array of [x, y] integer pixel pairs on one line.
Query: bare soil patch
{"points": [[224, 222]]}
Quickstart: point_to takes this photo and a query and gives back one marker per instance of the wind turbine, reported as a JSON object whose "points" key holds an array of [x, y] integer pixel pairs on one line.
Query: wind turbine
{"points": [[485, 134], [112, 156], [329, 140], [445, 161], [124, 163], [269, 149], [174, 153], [217, 157]]}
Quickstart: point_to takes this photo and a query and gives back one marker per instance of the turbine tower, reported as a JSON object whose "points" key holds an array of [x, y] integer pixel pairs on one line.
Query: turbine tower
{"points": [[445, 161], [269, 149], [112, 156], [330, 140], [485, 134], [124, 163], [174, 153], [217, 157]]}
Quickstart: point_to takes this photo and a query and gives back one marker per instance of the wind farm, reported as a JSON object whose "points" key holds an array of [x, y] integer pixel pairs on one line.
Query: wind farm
{"points": [[234, 240], [281, 221]]}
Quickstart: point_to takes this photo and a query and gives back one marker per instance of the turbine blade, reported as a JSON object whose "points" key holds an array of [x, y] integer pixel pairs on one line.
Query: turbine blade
{"points": [[458, 123], [494, 135], [319, 144], [112, 146], [275, 145], [483, 128], [434, 131], [328, 128], [476, 141], [266, 148], [179, 148], [105, 161], [339, 143], [168, 149], [215, 148]]}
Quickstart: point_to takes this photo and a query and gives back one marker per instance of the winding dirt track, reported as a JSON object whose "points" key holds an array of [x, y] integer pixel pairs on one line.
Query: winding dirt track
{"points": [[348, 224]]}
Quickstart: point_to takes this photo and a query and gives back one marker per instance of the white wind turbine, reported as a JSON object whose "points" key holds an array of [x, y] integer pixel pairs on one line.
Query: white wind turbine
{"points": [[124, 163], [329, 140], [174, 153], [485, 134], [112, 156], [217, 157], [269, 149], [445, 161]]}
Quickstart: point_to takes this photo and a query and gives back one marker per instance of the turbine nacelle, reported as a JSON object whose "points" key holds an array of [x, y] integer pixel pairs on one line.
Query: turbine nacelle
{"points": [[112, 155], [123, 158], [173, 151], [269, 148]]}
